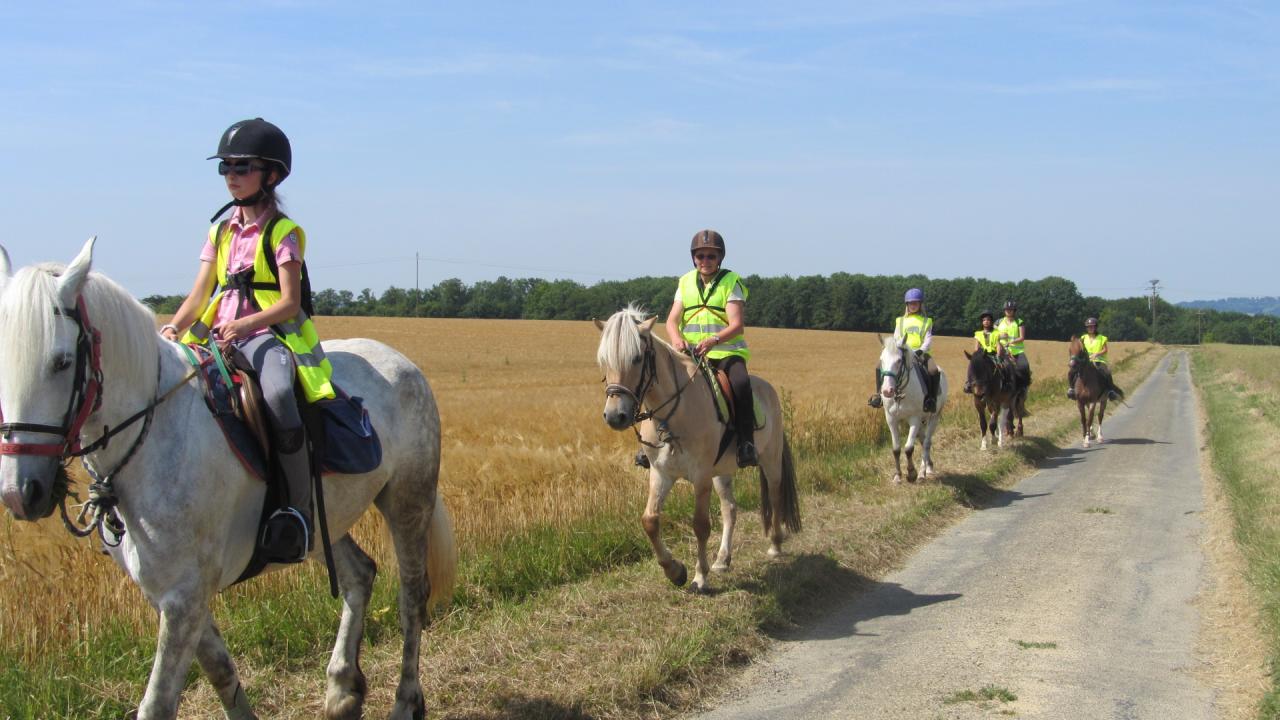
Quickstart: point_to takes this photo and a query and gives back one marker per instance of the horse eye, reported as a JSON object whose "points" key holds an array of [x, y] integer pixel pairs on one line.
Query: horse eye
{"points": [[62, 362], [636, 360]]}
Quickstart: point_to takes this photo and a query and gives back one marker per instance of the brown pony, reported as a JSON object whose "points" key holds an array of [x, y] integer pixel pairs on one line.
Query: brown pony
{"points": [[1092, 390], [995, 393]]}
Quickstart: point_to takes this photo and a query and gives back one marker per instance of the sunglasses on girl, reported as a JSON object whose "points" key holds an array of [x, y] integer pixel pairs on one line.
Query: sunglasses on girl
{"points": [[239, 167], [707, 256]]}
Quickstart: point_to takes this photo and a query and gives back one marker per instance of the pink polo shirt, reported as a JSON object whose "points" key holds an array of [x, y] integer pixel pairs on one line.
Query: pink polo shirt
{"points": [[244, 246]]}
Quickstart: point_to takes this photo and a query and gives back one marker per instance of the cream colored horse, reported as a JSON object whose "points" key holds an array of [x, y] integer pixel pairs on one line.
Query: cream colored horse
{"points": [[649, 383]]}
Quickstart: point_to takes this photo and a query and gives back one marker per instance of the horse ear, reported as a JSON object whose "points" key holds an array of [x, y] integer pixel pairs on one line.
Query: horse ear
{"points": [[72, 280], [5, 268], [647, 325], [880, 338], [599, 324], [967, 356]]}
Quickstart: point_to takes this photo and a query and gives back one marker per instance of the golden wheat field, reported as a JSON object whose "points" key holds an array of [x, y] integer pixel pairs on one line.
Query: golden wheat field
{"points": [[524, 445]]}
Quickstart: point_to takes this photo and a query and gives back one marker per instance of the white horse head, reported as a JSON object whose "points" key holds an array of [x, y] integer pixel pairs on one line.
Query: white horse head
{"points": [[45, 346], [895, 363], [625, 344]]}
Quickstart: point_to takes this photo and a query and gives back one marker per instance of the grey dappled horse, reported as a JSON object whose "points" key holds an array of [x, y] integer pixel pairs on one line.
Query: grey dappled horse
{"points": [[188, 509], [650, 383], [903, 393]]}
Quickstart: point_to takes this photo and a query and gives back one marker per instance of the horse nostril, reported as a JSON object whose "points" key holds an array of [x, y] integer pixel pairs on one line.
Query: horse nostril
{"points": [[32, 494]]}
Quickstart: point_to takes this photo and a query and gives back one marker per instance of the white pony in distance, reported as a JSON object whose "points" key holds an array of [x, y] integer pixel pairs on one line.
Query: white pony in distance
{"points": [[903, 392]]}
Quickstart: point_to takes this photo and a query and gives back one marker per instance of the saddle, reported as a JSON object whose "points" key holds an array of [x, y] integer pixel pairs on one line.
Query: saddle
{"points": [[722, 394]]}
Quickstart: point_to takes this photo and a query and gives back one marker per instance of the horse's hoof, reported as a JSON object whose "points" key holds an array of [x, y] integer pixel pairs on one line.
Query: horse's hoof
{"points": [[681, 576], [774, 552], [897, 479], [720, 566], [699, 588]]}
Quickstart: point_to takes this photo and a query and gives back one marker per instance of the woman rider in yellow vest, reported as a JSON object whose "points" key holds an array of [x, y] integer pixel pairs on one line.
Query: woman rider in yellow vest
{"points": [[1014, 331], [255, 315], [916, 330], [987, 340], [1096, 345], [707, 318]]}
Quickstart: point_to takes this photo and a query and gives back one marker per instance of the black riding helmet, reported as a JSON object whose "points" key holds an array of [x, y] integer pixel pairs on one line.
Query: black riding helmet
{"points": [[704, 239], [987, 314], [1010, 305], [255, 138]]}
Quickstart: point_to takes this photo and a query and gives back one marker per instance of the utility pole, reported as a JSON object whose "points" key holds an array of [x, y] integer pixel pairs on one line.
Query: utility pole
{"points": [[416, 292], [1155, 295]]}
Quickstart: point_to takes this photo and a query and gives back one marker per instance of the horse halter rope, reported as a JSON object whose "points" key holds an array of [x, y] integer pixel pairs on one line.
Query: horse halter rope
{"points": [[86, 398], [648, 376]]}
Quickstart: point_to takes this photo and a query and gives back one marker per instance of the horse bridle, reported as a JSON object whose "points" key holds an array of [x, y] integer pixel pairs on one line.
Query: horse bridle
{"points": [[86, 398], [648, 376], [901, 374]]}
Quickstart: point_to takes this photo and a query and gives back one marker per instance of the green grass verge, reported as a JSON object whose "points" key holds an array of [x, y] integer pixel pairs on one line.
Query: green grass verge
{"points": [[1243, 420]]}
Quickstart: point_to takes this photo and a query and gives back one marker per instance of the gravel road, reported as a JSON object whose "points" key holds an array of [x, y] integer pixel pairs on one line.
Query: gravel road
{"points": [[1073, 592]]}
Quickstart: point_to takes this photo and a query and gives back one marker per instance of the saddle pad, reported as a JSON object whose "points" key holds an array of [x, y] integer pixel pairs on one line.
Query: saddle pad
{"points": [[723, 411], [240, 439]]}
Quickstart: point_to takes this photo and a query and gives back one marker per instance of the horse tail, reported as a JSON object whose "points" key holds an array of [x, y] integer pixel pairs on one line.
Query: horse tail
{"points": [[442, 557], [790, 510]]}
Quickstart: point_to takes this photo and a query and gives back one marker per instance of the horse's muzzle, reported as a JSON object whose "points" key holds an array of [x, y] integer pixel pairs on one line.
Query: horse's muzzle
{"points": [[28, 492], [619, 412]]}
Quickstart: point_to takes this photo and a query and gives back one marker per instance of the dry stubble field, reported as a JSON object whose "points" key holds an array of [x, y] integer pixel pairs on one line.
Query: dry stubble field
{"points": [[525, 446]]}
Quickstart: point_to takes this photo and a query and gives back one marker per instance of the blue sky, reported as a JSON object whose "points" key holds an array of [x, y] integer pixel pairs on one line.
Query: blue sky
{"points": [[1110, 143]]}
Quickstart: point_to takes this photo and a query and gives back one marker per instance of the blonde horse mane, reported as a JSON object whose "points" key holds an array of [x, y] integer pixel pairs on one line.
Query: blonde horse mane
{"points": [[29, 331], [620, 340]]}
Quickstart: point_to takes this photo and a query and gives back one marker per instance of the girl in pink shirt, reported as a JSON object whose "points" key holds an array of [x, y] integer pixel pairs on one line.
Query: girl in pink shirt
{"points": [[254, 157]]}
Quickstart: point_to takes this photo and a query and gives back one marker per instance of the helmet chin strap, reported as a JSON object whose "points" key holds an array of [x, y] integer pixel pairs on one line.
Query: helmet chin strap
{"points": [[247, 202]]}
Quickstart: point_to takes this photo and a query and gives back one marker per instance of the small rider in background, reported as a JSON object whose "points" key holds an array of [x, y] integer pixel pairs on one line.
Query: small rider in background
{"points": [[1096, 345]]}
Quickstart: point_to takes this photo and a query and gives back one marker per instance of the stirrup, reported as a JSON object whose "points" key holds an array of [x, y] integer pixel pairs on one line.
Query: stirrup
{"points": [[875, 401], [286, 536], [930, 405], [641, 460], [747, 455], [1071, 393]]}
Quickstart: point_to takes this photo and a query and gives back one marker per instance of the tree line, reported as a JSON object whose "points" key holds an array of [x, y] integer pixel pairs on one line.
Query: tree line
{"points": [[1052, 307]]}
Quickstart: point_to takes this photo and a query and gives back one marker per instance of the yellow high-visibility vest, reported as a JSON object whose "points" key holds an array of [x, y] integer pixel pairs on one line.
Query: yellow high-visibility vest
{"points": [[705, 314], [298, 333], [1010, 329]]}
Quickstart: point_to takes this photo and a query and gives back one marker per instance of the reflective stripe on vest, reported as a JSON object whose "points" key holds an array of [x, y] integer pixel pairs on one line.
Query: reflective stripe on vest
{"points": [[1097, 347], [990, 341], [913, 329], [705, 314], [297, 333], [1011, 331]]}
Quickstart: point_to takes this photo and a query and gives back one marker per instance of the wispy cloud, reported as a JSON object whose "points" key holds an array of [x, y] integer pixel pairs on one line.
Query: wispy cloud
{"points": [[1100, 85]]}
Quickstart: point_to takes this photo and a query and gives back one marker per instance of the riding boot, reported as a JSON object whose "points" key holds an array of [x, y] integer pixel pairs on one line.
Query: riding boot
{"points": [[642, 460], [747, 456], [875, 400], [931, 393], [287, 535]]}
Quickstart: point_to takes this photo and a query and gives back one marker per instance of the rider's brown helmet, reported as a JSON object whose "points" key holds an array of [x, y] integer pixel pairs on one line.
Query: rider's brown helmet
{"points": [[704, 239]]}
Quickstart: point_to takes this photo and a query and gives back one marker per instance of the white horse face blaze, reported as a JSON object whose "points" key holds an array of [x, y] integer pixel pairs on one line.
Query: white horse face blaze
{"points": [[36, 386]]}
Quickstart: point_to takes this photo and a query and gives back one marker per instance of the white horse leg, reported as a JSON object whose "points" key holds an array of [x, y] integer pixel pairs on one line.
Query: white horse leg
{"points": [[221, 671], [913, 429], [897, 449], [728, 516], [1002, 415], [183, 620], [701, 532], [927, 444], [1102, 411], [659, 486], [345, 692]]}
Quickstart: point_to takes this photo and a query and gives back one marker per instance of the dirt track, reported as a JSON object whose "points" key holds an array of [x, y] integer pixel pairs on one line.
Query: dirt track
{"points": [[1074, 591]]}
